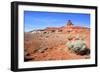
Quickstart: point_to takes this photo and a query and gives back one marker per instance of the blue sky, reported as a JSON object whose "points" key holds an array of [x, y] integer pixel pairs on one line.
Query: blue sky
{"points": [[39, 20]]}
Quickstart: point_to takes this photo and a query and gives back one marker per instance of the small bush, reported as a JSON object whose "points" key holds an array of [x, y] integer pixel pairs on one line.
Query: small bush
{"points": [[77, 46]]}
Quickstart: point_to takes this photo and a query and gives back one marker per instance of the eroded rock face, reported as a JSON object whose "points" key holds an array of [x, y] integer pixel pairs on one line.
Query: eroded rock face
{"points": [[50, 43]]}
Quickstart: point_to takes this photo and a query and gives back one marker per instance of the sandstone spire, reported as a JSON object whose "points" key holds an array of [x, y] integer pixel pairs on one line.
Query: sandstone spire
{"points": [[69, 23]]}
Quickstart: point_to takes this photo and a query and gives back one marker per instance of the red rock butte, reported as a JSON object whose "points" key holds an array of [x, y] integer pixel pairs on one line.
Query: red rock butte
{"points": [[64, 29]]}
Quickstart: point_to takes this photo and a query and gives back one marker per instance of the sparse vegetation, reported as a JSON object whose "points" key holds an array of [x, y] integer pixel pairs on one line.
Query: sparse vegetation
{"points": [[77, 46]]}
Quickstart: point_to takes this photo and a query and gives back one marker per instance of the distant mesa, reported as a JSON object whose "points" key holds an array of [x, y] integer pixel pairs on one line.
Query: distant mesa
{"points": [[67, 27]]}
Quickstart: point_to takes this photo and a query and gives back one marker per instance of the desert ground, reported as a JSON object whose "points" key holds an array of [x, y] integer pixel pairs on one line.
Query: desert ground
{"points": [[68, 42]]}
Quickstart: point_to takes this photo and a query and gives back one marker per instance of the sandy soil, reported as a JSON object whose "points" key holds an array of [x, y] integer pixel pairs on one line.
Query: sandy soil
{"points": [[52, 46]]}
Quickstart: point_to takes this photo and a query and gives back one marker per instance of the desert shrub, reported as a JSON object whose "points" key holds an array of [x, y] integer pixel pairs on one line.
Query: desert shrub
{"points": [[77, 46]]}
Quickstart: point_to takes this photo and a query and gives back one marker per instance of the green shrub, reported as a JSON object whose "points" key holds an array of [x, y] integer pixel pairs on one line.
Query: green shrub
{"points": [[76, 46]]}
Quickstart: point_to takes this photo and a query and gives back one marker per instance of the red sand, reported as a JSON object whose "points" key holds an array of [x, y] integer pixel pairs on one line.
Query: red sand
{"points": [[54, 44]]}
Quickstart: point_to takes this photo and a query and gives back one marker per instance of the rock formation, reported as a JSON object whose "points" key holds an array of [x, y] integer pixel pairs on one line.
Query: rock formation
{"points": [[69, 24]]}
